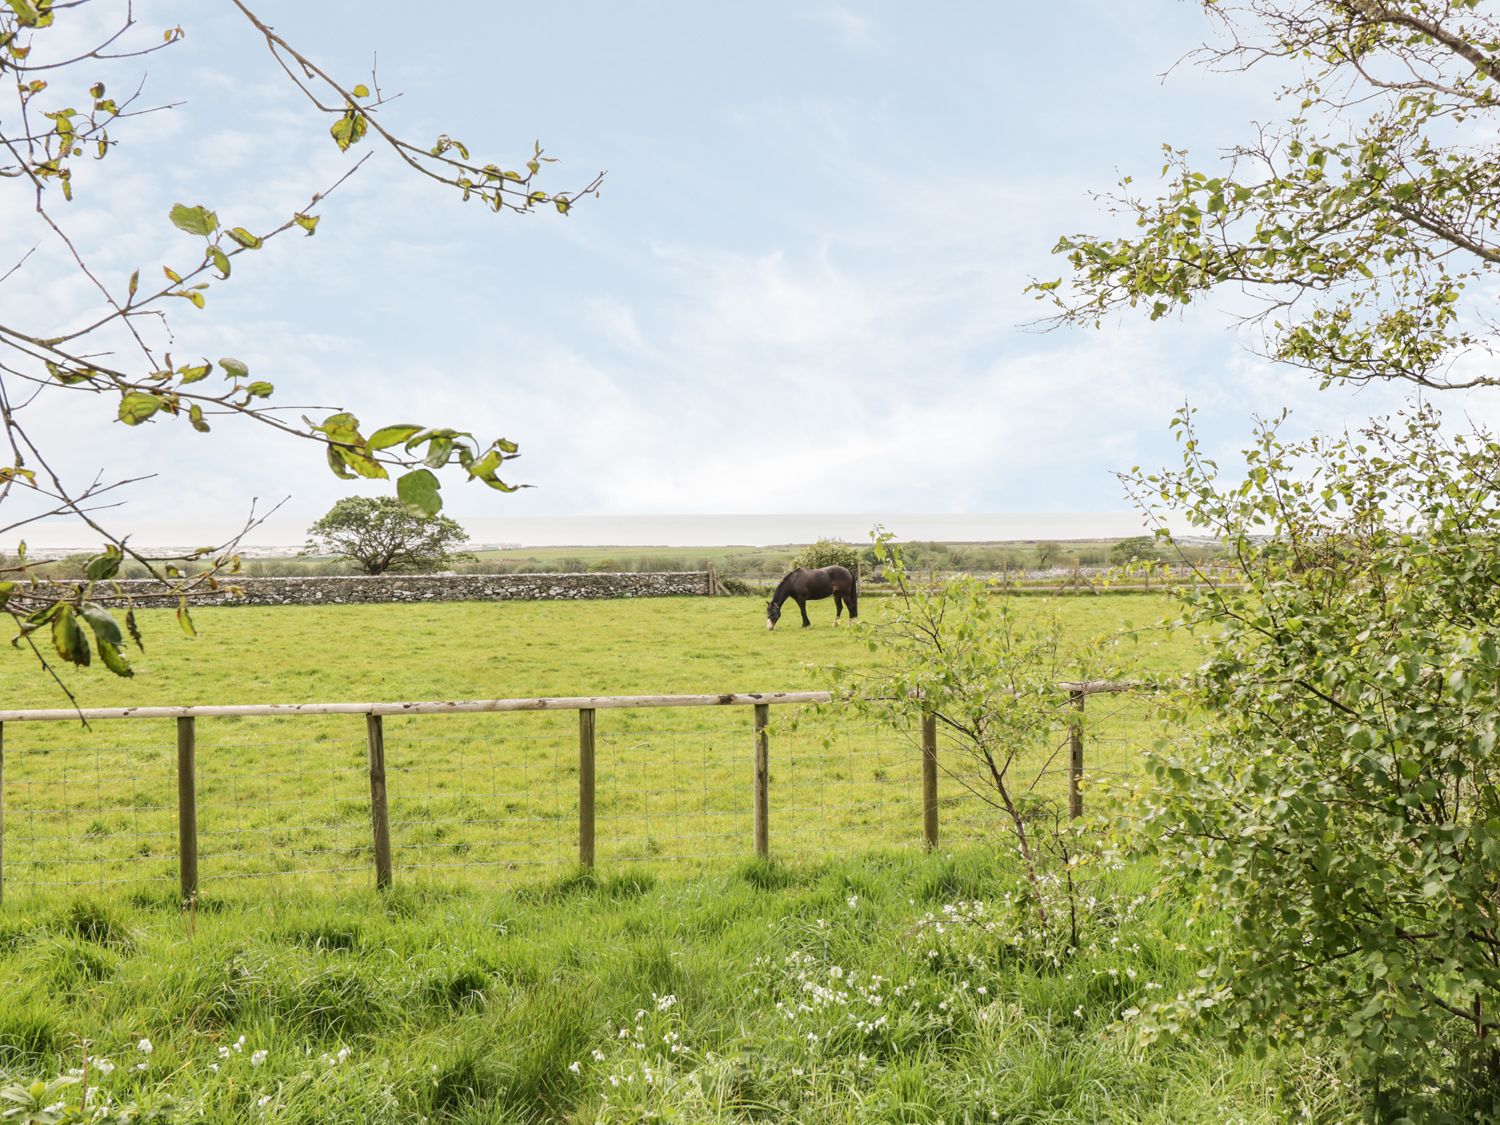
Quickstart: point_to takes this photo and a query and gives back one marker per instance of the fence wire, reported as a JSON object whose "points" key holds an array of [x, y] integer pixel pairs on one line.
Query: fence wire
{"points": [[492, 798]]}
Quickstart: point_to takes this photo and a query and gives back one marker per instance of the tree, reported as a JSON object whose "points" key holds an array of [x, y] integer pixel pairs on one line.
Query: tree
{"points": [[1364, 224], [117, 349], [1337, 801], [988, 675], [1138, 548], [1338, 797], [380, 534]]}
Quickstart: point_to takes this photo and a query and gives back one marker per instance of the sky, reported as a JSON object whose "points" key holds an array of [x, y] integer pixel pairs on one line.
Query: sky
{"points": [[801, 289]]}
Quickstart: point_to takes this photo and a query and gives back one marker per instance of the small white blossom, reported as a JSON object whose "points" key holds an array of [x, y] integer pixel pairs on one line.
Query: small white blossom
{"points": [[574, 1067], [144, 1047], [258, 1058]]}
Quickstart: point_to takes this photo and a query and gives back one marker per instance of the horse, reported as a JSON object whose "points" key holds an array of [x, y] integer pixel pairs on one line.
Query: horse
{"points": [[803, 585]]}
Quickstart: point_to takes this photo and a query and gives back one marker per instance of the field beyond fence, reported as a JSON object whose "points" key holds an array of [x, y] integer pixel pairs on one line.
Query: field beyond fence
{"points": [[194, 799]]}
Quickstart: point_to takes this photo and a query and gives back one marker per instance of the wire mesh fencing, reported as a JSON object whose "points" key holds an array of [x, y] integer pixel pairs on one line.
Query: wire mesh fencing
{"points": [[341, 799]]}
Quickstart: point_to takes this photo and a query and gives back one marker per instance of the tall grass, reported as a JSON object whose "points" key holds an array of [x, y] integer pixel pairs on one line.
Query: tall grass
{"points": [[887, 987]]}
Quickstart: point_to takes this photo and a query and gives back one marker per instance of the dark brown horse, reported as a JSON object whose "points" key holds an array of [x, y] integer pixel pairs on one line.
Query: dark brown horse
{"points": [[803, 585]]}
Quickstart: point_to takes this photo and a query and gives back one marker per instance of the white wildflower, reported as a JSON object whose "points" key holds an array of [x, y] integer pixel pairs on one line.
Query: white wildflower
{"points": [[144, 1047]]}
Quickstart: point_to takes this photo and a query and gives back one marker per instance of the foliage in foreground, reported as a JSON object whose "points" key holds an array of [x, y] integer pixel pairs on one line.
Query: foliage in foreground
{"points": [[1365, 221], [1341, 801], [894, 987], [117, 346]]}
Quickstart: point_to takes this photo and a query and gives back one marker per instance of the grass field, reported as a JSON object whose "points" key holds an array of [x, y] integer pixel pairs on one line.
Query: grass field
{"points": [[853, 978], [488, 797]]}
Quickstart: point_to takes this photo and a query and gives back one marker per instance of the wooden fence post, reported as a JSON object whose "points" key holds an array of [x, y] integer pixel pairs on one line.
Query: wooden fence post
{"points": [[1075, 754], [586, 786], [762, 781], [187, 809], [380, 818], [929, 782]]}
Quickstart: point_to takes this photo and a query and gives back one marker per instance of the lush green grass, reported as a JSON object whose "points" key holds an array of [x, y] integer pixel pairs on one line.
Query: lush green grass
{"points": [[870, 989], [854, 979], [483, 798]]}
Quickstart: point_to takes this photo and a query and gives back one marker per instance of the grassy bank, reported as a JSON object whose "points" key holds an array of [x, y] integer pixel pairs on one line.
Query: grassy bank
{"points": [[887, 987]]}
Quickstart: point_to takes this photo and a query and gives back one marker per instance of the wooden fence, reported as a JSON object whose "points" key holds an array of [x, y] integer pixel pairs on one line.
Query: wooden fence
{"points": [[186, 719]]}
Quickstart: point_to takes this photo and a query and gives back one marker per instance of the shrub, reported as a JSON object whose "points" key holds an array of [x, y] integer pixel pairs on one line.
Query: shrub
{"points": [[828, 552], [1339, 800]]}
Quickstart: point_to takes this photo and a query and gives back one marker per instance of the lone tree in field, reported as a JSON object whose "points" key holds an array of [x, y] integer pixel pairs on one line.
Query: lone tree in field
{"points": [[1337, 803], [101, 341], [379, 534]]}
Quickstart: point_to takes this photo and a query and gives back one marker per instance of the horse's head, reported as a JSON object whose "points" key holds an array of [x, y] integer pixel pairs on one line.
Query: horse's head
{"points": [[773, 614]]}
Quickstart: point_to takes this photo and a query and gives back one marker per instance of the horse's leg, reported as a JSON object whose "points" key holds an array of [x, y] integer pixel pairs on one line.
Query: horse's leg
{"points": [[838, 606], [802, 605], [853, 600]]}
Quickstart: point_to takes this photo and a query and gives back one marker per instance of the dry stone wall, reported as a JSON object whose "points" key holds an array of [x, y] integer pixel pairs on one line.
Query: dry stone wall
{"points": [[366, 590]]}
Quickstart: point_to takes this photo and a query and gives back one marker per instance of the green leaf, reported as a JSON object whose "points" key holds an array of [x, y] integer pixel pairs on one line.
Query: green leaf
{"points": [[234, 368], [134, 630], [184, 618], [195, 418], [114, 659], [349, 129], [104, 566], [136, 407], [68, 638], [418, 493], [135, 281], [309, 223], [361, 91], [6, 590], [220, 260], [387, 436], [260, 389], [102, 622], [191, 373], [194, 220], [245, 238], [336, 463]]}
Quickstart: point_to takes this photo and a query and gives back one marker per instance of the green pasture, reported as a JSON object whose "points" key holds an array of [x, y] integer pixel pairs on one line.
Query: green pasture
{"points": [[493, 798], [851, 979]]}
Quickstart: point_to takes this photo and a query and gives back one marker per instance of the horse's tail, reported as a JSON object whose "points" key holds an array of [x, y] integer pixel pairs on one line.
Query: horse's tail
{"points": [[854, 592]]}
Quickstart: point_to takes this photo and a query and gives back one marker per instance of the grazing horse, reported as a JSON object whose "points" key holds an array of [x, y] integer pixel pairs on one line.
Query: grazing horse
{"points": [[803, 585]]}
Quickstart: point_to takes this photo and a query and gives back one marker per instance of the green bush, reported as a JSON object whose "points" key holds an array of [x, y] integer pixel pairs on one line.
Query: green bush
{"points": [[1339, 800], [828, 552]]}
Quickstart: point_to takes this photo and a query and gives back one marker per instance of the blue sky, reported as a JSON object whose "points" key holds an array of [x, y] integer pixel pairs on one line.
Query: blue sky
{"points": [[800, 291]]}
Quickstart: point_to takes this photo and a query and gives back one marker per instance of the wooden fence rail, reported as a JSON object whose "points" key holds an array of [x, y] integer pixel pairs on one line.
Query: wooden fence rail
{"points": [[186, 721]]}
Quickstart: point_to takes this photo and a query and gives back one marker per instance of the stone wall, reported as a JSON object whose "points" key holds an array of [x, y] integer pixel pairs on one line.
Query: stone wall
{"points": [[362, 590]]}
